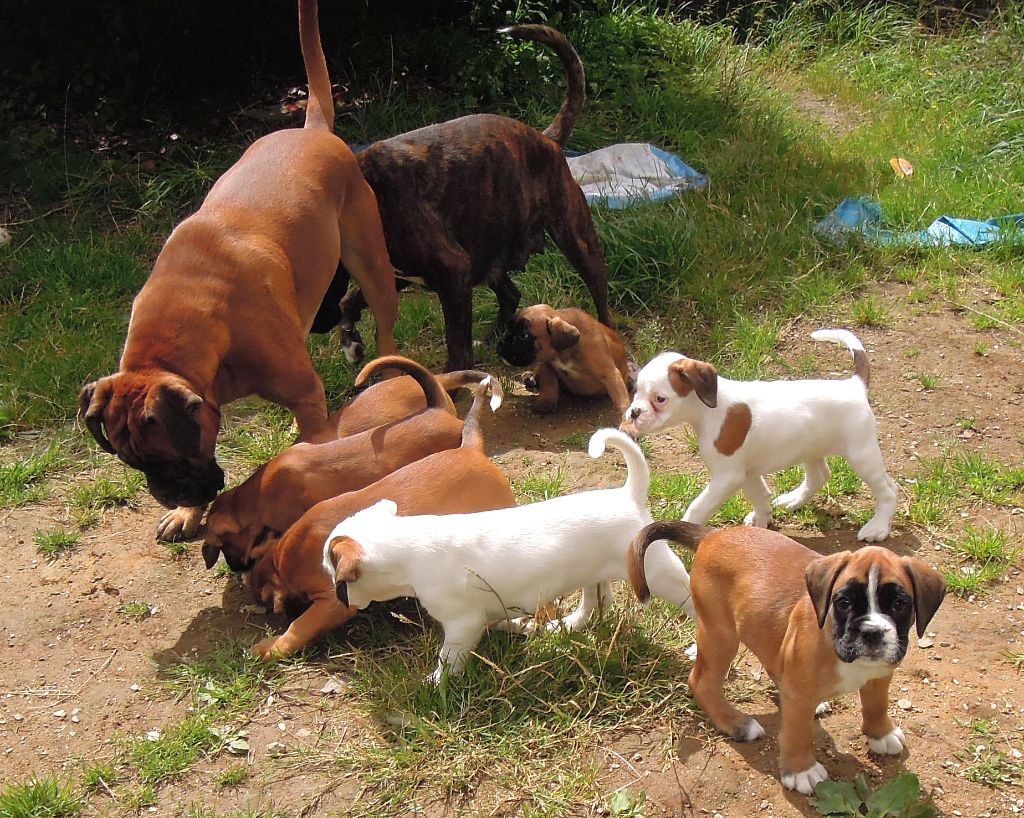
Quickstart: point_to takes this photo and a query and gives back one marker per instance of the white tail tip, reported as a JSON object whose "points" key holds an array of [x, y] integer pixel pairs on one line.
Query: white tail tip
{"points": [[838, 336]]}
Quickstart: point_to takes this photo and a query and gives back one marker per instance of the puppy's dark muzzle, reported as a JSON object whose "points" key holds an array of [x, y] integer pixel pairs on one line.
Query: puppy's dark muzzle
{"points": [[516, 351], [181, 483]]}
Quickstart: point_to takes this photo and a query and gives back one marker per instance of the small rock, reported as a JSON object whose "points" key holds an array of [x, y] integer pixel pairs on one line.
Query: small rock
{"points": [[904, 704], [925, 643], [276, 748], [18, 717], [637, 757], [59, 714], [305, 732], [332, 686]]}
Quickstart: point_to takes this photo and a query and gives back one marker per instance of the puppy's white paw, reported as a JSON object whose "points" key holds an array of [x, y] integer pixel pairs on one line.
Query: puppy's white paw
{"points": [[874, 530], [180, 523], [758, 520], [822, 709], [791, 500], [751, 731], [805, 782], [434, 679], [889, 745], [691, 652]]}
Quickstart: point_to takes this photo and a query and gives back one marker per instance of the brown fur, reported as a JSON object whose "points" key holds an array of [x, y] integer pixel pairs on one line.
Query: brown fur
{"points": [[457, 481], [689, 375], [734, 429], [232, 295], [280, 491], [573, 350], [758, 587]]}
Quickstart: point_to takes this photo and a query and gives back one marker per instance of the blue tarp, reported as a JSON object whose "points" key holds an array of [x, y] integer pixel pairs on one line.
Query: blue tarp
{"points": [[862, 216], [631, 172]]}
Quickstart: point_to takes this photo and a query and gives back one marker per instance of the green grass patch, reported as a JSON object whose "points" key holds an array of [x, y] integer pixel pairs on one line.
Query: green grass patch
{"points": [[944, 483], [105, 493], [526, 716], [45, 797], [53, 542], [136, 610], [99, 776], [984, 764], [985, 556], [23, 480], [536, 487]]}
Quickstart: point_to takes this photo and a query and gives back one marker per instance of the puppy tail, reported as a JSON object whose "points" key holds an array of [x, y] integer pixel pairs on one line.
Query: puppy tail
{"points": [[433, 390], [461, 378], [320, 106], [686, 534], [861, 367], [472, 435], [638, 476], [576, 90]]}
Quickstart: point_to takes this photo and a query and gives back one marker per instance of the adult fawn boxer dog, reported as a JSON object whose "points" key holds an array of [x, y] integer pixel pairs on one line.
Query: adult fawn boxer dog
{"points": [[231, 298], [290, 569], [283, 489], [467, 201], [820, 626]]}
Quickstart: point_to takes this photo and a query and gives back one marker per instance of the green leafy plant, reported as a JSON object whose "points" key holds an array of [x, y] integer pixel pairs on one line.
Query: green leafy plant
{"points": [[900, 798]]}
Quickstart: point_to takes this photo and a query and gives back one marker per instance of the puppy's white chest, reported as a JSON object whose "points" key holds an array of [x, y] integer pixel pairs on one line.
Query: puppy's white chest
{"points": [[854, 675], [567, 369]]}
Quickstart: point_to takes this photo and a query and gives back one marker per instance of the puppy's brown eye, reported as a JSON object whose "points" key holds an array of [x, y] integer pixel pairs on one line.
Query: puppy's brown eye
{"points": [[842, 604], [660, 399], [899, 605]]}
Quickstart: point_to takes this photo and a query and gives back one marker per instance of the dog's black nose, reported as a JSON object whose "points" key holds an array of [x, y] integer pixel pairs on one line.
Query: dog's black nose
{"points": [[634, 413], [871, 636]]}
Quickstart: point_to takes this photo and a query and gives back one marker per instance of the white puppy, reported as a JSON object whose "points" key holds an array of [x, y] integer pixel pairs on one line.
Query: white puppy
{"points": [[746, 429], [474, 571]]}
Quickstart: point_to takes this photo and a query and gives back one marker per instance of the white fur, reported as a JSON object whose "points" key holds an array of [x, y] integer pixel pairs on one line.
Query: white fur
{"points": [[880, 622], [792, 422], [805, 782], [891, 744], [474, 571]]}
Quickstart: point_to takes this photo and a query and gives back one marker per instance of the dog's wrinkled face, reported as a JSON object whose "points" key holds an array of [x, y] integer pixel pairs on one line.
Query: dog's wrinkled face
{"points": [[536, 335], [669, 389], [873, 596], [158, 425]]}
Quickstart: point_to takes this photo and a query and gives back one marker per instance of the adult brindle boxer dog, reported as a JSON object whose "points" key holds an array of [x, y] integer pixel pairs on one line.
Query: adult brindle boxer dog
{"points": [[231, 298], [467, 201], [820, 626]]}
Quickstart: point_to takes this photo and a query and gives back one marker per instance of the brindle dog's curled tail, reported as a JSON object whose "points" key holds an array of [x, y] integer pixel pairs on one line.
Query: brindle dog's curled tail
{"points": [[433, 391], [686, 534], [576, 90], [472, 436]]}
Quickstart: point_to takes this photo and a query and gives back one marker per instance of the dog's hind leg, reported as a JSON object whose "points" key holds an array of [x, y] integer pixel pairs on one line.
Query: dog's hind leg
{"points": [[756, 492], [716, 648], [720, 489], [816, 475], [867, 462], [456, 294], [667, 577], [572, 227], [365, 256], [593, 595]]}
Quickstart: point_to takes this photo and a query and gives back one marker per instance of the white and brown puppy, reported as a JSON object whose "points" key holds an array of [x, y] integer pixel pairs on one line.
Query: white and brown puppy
{"points": [[475, 571], [820, 626], [747, 429], [567, 347]]}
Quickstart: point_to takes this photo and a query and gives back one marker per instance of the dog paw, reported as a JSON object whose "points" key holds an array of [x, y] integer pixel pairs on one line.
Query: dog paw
{"points": [[874, 531], [888, 745], [822, 710], [758, 521], [790, 501], [805, 782], [266, 650], [530, 381], [751, 731], [691, 652], [181, 523]]}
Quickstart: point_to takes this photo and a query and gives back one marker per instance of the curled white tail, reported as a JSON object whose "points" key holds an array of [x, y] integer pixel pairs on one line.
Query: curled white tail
{"points": [[861, 368], [638, 476]]}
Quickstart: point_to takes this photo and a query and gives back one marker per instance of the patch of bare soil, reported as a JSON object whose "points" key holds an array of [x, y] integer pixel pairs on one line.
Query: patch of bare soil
{"points": [[77, 676]]}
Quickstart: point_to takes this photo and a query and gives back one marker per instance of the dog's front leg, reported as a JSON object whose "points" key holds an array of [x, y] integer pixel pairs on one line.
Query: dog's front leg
{"points": [[460, 637], [756, 492], [884, 738], [181, 523], [799, 768], [546, 401], [593, 595], [323, 615], [720, 489]]}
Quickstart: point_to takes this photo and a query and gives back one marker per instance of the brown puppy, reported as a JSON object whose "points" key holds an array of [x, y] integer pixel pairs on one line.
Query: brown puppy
{"points": [[570, 348], [820, 626], [280, 491], [468, 201], [456, 481], [231, 298], [394, 399]]}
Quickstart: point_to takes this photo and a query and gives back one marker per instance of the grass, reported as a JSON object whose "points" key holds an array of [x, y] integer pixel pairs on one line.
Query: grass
{"points": [[24, 480], [944, 483], [105, 492], [53, 542], [992, 767], [929, 380], [44, 797], [535, 487], [136, 610], [985, 557], [98, 776]]}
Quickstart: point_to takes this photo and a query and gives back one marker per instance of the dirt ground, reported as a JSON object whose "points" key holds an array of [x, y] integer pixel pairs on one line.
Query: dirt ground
{"points": [[76, 677]]}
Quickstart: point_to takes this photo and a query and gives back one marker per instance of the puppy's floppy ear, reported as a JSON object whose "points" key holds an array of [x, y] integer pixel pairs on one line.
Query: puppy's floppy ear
{"points": [[929, 591], [176, 408], [346, 555], [563, 334], [820, 576], [211, 553], [92, 400], [689, 375]]}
